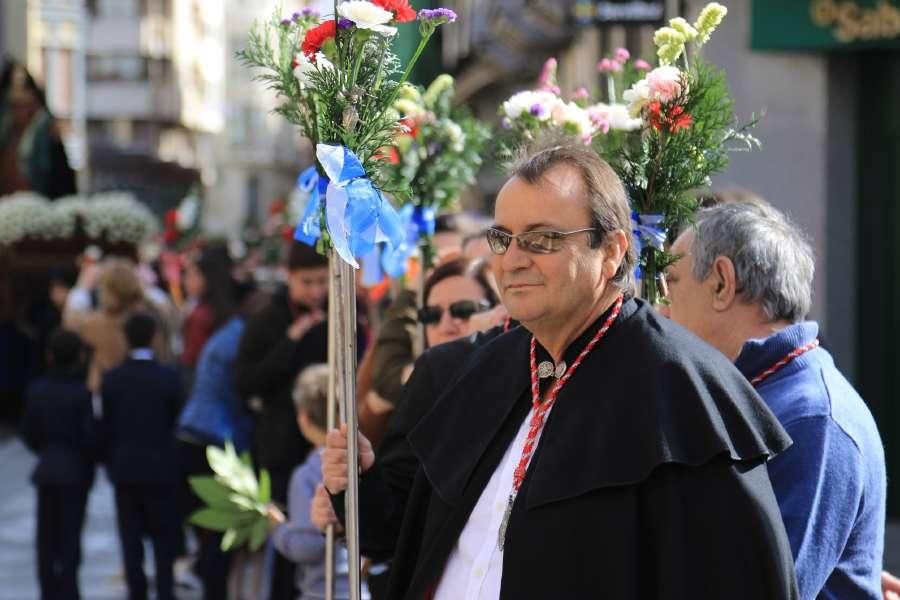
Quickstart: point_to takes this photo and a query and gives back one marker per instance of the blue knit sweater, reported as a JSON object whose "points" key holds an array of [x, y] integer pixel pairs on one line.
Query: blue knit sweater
{"points": [[830, 485]]}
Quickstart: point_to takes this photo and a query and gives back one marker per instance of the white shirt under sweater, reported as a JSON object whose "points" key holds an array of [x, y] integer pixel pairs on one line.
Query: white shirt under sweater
{"points": [[475, 567]]}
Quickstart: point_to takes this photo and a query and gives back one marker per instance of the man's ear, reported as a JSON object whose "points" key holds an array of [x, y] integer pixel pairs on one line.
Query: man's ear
{"points": [[723, 283], [615, 247]]}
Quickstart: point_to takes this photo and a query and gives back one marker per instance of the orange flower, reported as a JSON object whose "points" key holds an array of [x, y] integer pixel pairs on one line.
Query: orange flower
{"points": [[674, 120]]}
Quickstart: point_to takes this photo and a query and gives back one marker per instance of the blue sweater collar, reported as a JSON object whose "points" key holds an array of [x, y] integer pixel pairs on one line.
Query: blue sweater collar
{"points": [[759, 354]]}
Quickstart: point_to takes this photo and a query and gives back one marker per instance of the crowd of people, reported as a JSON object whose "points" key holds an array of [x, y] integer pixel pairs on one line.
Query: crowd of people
{"points": [[557, 438], [134, 382]]}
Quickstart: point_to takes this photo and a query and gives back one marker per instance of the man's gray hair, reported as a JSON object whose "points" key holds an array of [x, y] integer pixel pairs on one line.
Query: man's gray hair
{"points": [[773, 260]]}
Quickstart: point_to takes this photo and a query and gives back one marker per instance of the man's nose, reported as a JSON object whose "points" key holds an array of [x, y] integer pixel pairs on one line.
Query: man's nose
{"points": [[515, 258]]}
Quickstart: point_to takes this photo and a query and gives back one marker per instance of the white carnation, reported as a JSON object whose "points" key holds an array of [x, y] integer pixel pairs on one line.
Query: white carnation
{"points": [[523, 103], [572, 116], [367, 16]]}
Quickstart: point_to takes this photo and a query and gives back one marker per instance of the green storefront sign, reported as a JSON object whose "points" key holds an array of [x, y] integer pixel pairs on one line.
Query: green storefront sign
{"points": [[825, 24]]}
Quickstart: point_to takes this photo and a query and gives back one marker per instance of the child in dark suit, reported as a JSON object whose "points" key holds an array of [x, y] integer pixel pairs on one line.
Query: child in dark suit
{"points": [[58, 425], [141, 401]]}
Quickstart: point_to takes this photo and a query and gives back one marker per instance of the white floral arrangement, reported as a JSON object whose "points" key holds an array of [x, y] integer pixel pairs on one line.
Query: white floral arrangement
{"points": [[117, 216]]}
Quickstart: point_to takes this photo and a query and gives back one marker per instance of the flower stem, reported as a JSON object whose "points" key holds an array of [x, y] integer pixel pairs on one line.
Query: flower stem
{"points": [[356, 65], [412, 63], [384, 46], [611, 88]]}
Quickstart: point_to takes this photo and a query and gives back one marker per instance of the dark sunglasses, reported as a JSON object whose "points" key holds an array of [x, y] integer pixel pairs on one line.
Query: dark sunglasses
{"points": [[536, 242], [463, 309]]}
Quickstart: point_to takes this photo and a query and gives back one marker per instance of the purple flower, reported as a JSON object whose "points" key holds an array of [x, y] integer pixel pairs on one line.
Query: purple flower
{"points": [[506, 123], [309, 12], [286, 22], [536, 109], [344, 23], [437, 16]]}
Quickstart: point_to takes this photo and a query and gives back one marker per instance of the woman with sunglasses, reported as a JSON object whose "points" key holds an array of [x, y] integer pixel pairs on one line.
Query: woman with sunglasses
{"points": [[458, 301]]}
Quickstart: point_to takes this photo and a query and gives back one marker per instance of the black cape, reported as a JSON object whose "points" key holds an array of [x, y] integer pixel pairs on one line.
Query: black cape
{"points": [[649, 480]]}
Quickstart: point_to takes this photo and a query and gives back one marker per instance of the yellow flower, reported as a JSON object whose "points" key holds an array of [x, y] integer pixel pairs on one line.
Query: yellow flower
{"points": [[669, 53], [684, 28], [710, 17], [410, 92], [668, 36], [408, 107], [441, 84]]}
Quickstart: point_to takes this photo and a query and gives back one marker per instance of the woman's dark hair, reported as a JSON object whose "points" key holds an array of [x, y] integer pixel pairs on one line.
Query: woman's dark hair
{"points": [[6, 76], [473, 268], [219, 293]]}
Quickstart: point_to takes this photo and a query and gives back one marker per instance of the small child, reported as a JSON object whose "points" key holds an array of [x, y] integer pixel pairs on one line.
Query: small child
{"points": [[141, 400], [58, 425], [298, 539]]}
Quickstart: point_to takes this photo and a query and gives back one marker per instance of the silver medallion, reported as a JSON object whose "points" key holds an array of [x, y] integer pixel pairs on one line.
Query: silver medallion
{"points": [[545, 369], [560, 369]]}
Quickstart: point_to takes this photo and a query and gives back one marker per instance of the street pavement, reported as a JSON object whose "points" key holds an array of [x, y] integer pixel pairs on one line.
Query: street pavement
{"points": [[101, 574]]}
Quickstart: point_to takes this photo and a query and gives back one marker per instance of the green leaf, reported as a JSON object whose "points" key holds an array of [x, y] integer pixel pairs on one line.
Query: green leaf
{"points": [[237, 539], [218, 462], [259, 534], [243, 502], [228, 540], [245, 460], [265, 487], [215, 518], [210, 491]]}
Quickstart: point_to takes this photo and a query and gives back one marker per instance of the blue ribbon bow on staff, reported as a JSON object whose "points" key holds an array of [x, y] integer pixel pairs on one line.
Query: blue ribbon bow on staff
{"points": [[648, 231], [356, 213], [417, 222]]}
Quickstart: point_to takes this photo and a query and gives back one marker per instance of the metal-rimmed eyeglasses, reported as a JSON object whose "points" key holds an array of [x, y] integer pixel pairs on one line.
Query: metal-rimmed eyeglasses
{"points": [[537, 242]]}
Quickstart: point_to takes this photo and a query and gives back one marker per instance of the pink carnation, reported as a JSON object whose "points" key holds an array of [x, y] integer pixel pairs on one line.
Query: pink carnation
{"points": [[580, 94], [641, 65], [622, 55], [608, 66], [664, 83]]}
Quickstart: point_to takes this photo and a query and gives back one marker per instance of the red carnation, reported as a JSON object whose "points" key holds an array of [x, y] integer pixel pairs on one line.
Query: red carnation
{"points": [[403, 12], [674, 120], [277, 207], [411, 129], [389, 154], [317, 36], [678, 119], [287, 233]]}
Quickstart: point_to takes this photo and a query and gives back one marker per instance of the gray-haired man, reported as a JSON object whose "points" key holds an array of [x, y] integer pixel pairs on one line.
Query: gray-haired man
{"points": [[744, 284]]}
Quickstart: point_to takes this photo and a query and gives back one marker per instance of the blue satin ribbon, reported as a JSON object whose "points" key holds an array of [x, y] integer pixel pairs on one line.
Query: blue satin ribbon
{"points": [[417, 221], [648, 231], [357, 215]]}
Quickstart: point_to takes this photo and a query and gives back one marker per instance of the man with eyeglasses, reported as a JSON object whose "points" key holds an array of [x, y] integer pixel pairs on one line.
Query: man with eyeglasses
{"points": [[598, 450]]}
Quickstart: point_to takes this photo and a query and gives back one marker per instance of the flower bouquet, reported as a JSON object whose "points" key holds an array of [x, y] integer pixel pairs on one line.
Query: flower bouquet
{"points": [[334, 77], [672, 128], [435, 155], [688, 132], [116, 217]]}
